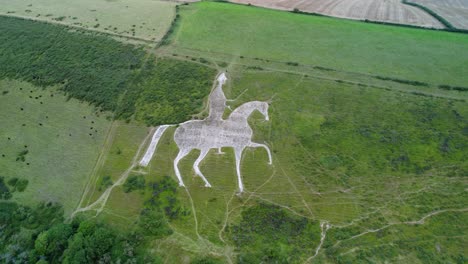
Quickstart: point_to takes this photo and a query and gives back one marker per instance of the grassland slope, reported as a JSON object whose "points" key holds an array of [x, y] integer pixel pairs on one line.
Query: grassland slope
{"points": [[63, 139], [406, 53], [143, 19]]}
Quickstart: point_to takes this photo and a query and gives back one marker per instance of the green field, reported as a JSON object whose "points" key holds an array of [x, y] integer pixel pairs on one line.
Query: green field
{"points": [[142, 19], [63, 138], [405, 53]]}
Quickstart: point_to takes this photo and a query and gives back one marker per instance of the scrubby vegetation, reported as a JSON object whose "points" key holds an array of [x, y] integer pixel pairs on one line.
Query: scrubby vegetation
{"points": [[101, 70], [415, 83], [18, 184], [269, 234], [455, 88], [106, 181], [168, 91], [4, 190], [162, 207], [164, 197], [134, 182]]}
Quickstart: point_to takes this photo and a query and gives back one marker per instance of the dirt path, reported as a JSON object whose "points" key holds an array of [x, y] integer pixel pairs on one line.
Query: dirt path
{"points": [[100, 161], [99, 204]]}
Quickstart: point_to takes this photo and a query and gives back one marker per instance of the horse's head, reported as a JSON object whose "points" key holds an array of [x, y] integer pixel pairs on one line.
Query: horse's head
{"points": [[244, 111]]}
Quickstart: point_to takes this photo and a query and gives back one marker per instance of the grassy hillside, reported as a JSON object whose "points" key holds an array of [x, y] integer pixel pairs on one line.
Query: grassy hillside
{"points": [[405, 53], [142, 19], [356, 158], [63, 139]]}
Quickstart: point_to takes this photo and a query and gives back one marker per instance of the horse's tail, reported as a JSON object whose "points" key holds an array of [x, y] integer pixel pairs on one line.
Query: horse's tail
{"points": [[152, 146]]}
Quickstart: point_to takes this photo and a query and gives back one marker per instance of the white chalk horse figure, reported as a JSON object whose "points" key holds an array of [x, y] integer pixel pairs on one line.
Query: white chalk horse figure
{"points": [[215, 132]]}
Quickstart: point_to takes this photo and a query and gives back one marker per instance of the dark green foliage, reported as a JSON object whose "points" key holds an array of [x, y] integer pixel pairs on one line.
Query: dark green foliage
{"points": [[153, 223], [290, 63], [255, 68], [22, 155], [414, 83], [323, 68], [165, 40], [134, 182], [21, 185], [90, 67], [105, 182], [4, 190], [164, 197], [162, 207], [455, 88], [18, 184], [12, 182], [168, 92], [268, 234], [31, 235], [223, 64]]}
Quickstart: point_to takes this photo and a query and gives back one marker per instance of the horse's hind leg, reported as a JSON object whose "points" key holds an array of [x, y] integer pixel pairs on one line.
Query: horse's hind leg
{"points": [[257, 145], [238, 153], [197, 169], [182, 153]]}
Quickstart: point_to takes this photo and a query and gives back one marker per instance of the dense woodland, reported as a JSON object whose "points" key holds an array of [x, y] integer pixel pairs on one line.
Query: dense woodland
{"points": [[40, 234], [101, 71]]}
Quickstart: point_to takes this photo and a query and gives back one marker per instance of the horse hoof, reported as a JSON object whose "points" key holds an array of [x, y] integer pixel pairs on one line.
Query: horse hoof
{"points": [[208, 185]]}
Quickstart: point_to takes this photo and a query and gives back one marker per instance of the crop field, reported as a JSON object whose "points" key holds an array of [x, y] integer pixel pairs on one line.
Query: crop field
{"points": [[63, 139], [391, 11], [404, 53], [142, 19], [454, 11]]}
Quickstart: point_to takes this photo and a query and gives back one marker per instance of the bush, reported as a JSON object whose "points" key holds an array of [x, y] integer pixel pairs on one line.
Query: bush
{"points": [[290, 63], [4, 190], [134, 182], [105, 182]]}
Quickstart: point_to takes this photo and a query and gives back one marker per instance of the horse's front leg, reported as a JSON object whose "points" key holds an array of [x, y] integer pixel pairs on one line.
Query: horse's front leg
{"points": [[182, 153], [238, 154], [257, 145], [203, 153]]}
